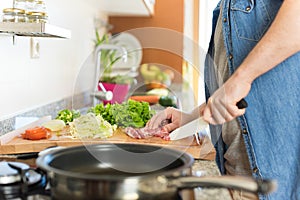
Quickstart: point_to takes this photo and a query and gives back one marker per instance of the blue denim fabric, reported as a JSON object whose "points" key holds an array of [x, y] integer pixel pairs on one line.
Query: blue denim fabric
{"points": [[271, 124]]}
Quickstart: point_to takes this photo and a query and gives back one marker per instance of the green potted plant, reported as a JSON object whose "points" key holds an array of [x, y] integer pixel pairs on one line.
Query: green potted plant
{"points": [[118, 84]]}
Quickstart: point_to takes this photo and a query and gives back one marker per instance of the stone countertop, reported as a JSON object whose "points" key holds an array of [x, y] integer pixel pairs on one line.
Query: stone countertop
{"points": [[208, 168]]}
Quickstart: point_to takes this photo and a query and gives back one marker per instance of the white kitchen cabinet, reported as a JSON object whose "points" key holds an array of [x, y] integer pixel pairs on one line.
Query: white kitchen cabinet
{"points": [[127, 7]]}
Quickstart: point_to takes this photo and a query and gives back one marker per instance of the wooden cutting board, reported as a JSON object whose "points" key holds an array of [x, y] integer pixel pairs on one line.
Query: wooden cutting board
{"points": [[204, 150]]}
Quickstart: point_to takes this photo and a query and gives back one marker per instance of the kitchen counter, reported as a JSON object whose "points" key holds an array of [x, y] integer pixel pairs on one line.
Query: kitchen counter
{"points": [[209, 168]]}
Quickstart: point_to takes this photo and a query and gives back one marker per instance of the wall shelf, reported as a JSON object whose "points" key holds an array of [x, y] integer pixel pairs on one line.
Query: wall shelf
{"points": [[34, 30]]}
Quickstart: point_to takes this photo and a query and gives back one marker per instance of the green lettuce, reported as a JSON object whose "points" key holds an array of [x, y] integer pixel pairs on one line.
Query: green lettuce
{"points": [[130, 113]]}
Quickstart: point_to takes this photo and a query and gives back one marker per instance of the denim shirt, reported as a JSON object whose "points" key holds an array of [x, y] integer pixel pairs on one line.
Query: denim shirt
{"points": [[271, 124]]}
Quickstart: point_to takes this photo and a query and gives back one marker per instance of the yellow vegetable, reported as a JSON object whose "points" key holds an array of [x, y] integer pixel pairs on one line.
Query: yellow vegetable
{"points": [[158, 91], [148, 74]]}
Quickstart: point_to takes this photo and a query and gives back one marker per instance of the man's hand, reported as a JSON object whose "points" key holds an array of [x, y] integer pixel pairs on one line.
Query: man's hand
{"points": [[172, 118], [222, 105]]}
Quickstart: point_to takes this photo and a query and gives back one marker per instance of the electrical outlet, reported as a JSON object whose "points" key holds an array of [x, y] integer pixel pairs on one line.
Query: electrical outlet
{"points": [[34, 48]]}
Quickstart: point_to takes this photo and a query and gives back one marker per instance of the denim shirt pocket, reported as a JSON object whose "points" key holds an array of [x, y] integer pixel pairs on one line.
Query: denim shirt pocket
{"points": [[250, 19]]}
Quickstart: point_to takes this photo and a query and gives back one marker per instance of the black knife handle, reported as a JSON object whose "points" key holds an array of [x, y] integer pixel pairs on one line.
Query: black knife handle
{"points": [[242, 104]]}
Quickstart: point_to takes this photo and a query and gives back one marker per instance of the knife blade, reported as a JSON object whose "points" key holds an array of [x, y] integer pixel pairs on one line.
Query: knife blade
{"points": [[188, 129]]}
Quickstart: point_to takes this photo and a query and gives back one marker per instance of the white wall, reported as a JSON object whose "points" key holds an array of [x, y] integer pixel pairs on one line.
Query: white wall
{"points": [[188, 54], [26, 83], [206, 8]]}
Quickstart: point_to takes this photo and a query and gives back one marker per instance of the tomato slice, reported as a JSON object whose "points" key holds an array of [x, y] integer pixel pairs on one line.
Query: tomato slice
{"points": [[36, 133]]}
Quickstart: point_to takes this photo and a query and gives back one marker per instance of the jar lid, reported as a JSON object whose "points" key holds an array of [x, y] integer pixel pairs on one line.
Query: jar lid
{"points": [[40, 2], [14, 10], [42, 14]]}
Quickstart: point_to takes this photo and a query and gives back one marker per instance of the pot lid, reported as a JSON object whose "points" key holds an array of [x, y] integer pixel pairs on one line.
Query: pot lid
{"points": [[8, 172]]}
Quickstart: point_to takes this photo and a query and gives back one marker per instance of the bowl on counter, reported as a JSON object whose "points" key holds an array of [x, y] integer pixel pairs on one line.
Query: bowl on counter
{"points": [[156, 76]]}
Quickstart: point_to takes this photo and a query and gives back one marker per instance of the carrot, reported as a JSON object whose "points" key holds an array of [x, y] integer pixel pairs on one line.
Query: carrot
{"points": [[36, 133], [152, 99]]}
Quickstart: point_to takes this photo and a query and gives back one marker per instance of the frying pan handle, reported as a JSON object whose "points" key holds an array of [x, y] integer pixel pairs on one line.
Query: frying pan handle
{"points": [[230, 182]]}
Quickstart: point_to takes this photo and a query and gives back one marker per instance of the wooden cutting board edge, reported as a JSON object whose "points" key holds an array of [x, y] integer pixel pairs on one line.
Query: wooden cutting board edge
{"points": [[203, 151]]}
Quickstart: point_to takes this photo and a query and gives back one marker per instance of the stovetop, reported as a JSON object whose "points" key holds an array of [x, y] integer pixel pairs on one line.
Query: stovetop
{"points": [[19, 181]]}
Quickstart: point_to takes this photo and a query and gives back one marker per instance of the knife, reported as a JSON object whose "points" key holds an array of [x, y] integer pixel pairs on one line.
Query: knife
{"points": [[188, 129], [197, 125]]}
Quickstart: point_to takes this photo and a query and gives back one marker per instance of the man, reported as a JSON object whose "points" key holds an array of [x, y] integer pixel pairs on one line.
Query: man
{"points": [[253, 54]]}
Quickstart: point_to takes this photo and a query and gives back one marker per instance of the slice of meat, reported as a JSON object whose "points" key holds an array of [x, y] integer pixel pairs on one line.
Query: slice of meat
{"points": [[141, 133]]}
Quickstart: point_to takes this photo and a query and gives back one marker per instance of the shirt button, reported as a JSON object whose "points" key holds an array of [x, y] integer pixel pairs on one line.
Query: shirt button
{"points": [[255, 169], [230, 56], [245, 131], [248, 8], [224, 19]]}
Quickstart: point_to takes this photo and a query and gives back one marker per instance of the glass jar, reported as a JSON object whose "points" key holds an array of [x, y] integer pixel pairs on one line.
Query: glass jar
{"points": [[30, 5], [40, 6], [14, 15], [20, 4], [37, 17]]}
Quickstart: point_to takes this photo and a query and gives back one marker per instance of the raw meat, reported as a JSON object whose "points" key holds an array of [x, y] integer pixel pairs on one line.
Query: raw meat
{"points": [[141, 133]]}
